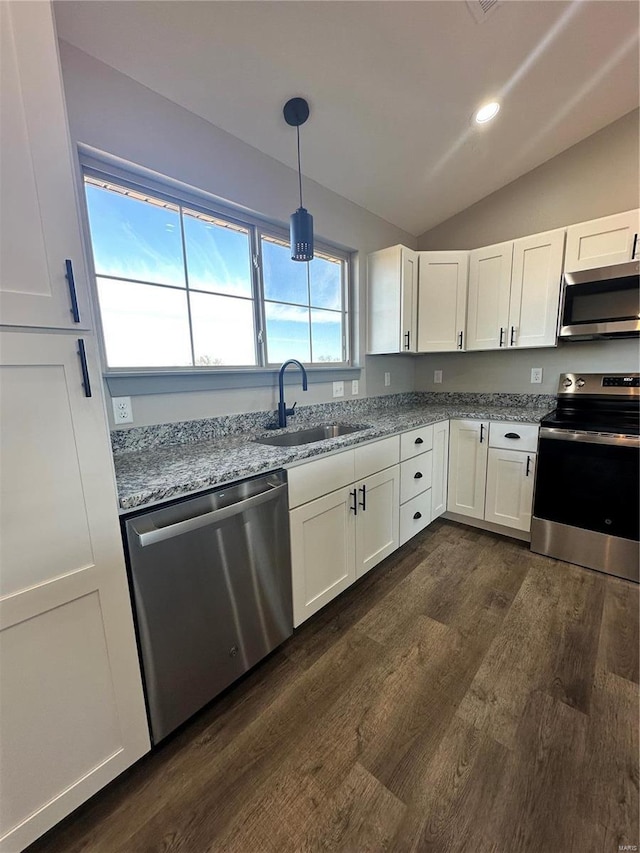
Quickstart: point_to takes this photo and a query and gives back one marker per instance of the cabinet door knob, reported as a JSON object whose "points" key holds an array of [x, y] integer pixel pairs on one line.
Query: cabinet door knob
{"points": [[417, 475], [481, 433], [417, 515], [459, 340], [418, 441], [407, 336], [635, 246], [84, 368], [363, 503], [354, 505], [511, 435], [527, 472], [512, 339], [501, 336]]}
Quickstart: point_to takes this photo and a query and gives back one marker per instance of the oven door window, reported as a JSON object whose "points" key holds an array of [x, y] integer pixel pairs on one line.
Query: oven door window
{"points": [[592, 486], [601, 302]]}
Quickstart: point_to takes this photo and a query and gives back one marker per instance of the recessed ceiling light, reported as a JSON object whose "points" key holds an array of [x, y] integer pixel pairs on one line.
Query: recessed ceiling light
{"points": [[487, 112]]}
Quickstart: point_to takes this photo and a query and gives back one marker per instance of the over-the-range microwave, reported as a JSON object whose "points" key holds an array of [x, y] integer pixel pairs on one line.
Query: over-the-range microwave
{"points": [[601, 303]]}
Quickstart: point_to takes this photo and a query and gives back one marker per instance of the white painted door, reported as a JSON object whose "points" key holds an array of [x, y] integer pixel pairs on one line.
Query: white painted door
{"points": [[73, 714], [489, 287], [440, 467], [535, 290], [322, 551], [391, 300], [40, 224], [377, 522], [468, 442], [510, 477], [442, 300], [603, 242]]}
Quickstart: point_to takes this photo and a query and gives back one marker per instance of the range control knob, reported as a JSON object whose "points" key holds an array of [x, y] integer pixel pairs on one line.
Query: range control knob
{"points": [[580, 383], [567, 382]]}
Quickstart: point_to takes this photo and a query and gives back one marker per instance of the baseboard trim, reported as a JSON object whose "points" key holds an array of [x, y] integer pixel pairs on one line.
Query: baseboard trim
{"points": [[522, 535]]}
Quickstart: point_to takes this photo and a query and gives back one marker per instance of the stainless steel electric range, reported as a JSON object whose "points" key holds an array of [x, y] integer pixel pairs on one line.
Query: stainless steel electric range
{"points": [[587, 490]]}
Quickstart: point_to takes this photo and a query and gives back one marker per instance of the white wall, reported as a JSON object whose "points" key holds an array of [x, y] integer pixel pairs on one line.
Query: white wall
{"points": [[112, 113], [596, 177]]}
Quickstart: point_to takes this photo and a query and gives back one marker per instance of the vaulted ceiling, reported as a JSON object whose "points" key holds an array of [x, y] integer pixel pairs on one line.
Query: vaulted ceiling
{"points": [[392, 85]]}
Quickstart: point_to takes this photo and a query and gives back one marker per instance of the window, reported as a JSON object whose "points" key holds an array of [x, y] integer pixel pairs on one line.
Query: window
{"points": [[180, 286]]}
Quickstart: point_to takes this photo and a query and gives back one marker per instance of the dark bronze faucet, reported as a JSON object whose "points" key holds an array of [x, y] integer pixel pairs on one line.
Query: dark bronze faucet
{"points": [[282, 406]]}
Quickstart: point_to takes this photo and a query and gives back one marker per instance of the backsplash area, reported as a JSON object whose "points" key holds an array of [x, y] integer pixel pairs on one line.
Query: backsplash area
{"points": [[208, 429]]}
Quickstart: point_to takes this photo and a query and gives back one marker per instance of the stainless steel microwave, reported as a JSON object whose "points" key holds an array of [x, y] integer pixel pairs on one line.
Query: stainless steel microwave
{"points": [[601, 303]]}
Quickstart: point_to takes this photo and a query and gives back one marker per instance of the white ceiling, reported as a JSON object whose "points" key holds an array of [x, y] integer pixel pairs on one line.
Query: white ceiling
{"points": [[392, 85]]}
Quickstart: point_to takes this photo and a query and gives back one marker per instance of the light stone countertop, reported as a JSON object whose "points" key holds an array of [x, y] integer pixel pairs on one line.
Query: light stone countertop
{"points": [[146, 477]]}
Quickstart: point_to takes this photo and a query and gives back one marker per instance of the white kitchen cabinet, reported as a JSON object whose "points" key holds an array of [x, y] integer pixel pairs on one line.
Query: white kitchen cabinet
{"points": [[339, 536], [492, 471], [514, 293], [440, 468], [377, 519], [442, 301], [536, 277], [510, 478], [416, 469], [40, 224], [392, 300], [73, 714], [489, 289], [322, 551], [603, 242], [468, 444]]}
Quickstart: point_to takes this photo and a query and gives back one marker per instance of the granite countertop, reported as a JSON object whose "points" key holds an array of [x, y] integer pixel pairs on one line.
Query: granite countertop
{"points": [[159, 464]]}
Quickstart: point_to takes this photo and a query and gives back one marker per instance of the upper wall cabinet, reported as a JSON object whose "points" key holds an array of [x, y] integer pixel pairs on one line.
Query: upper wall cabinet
{"points": [[514, 293], [442, 300], [536, 275], [392, 300], [40, 243], [603, 242], [489, 288]]}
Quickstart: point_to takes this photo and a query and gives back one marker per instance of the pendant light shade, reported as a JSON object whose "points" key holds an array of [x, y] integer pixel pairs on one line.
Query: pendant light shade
{"points": [[296, 112]]}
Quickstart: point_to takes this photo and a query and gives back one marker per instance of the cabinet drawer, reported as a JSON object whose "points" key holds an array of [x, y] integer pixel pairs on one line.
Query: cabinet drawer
{"points": [[320, 477], [513, 436], [415, 476], [416, 441], [415, 515], [371, 458]]}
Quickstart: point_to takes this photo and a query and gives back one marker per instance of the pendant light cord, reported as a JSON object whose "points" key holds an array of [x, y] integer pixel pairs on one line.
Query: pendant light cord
{"points": [[299, 168]]}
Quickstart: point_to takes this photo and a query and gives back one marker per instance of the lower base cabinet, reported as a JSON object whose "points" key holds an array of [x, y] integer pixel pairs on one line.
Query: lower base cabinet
{"points": [[510, 478], [338, 537], [487, 479]]}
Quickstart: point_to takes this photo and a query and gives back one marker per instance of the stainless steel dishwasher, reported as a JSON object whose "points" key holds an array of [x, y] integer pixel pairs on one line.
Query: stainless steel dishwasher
{"points": [[211, 581]]}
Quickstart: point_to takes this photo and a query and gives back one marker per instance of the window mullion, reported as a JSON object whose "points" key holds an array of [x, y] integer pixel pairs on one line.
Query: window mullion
{"points": [[257, 280], [186, 279]]}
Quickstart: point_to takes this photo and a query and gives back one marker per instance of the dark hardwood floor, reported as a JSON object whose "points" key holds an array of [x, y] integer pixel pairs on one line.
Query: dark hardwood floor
{"points": [[466, 695]]}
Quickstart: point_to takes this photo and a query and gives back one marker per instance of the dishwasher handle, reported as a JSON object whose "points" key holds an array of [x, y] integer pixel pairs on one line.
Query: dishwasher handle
{"points": [[150, 537]]}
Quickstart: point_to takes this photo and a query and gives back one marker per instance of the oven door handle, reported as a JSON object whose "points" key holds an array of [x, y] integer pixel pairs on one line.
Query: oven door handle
{"points": [[590, 437]]}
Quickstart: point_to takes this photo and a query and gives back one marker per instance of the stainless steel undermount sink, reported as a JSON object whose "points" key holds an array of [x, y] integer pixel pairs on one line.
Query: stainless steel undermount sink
{"points": [[309, 435]]}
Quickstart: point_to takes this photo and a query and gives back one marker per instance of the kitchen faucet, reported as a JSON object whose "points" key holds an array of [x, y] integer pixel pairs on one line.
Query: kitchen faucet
{"points": [[282, 406]]}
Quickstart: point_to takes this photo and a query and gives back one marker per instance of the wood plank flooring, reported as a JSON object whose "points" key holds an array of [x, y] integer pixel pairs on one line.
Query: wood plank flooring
{"points": [[466, 695]]}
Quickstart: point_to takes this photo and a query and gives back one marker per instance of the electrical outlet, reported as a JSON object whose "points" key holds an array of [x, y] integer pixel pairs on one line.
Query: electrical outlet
{"points": [[338, 389], [355, 386], [437, 377], [536, 375], [387, 380], [122, 411]]}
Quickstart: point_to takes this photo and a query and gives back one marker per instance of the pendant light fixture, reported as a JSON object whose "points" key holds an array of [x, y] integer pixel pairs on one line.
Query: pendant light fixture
{"points": [[296, 112]]}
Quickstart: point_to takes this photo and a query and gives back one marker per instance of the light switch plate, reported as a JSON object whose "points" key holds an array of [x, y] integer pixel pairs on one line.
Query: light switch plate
{"points": [[338, 389], [437, 377], [536, 375], [355, 386], [387, 380]]}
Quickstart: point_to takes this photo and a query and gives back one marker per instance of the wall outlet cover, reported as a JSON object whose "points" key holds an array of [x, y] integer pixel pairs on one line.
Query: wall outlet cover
{"points": [[122, 411], [355, 386], [387, 380], [437, 377], [338, 389], [536, 375]]}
